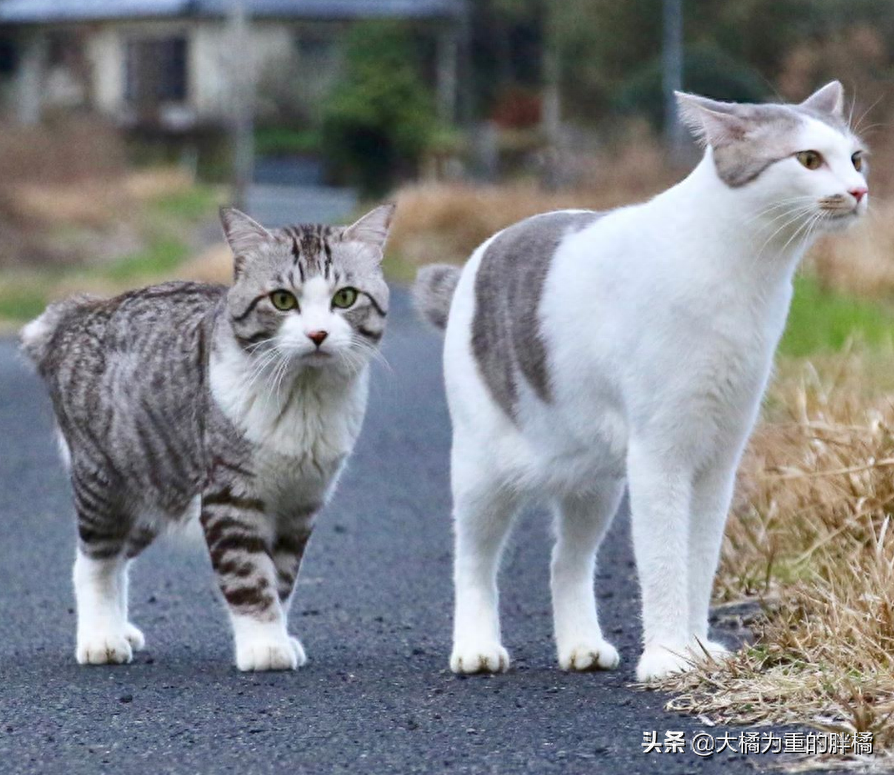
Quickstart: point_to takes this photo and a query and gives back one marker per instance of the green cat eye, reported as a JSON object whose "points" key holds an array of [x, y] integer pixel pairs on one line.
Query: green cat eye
{"points": [[810, 159], [284, 301], [344, 298]]}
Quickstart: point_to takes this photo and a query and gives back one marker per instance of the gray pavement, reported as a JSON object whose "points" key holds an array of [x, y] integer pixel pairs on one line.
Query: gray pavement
{"points": [[373, 611], [277, 206]]}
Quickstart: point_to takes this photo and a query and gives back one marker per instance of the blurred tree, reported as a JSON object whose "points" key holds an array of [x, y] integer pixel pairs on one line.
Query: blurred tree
{"points": [[606, 50], [706, 70], [380, 117]]}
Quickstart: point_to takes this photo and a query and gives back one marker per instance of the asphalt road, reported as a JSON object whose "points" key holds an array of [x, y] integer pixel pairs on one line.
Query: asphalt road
{"points": [[373, 611]]}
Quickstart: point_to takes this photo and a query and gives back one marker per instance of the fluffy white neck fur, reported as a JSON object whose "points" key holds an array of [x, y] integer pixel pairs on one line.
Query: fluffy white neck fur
{"points": [[738, 233], [315, 408]]}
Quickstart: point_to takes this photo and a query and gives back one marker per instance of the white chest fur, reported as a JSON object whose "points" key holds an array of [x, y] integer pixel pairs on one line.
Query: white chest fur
{"points": [[304, 428]]}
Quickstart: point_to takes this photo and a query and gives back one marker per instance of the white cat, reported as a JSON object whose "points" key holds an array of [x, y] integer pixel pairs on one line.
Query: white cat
{"points": [[586, 351]]}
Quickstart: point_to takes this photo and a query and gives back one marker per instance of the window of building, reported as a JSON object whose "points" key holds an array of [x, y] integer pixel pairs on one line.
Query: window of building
{"points": [[156, 70]]}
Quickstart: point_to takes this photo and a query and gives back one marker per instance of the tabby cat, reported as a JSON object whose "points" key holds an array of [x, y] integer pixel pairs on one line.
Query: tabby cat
{"points": [[239, 404]]}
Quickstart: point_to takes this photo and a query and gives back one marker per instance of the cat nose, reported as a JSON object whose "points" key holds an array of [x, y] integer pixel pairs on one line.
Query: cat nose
{"points": [[317, 337], [859, 193]]}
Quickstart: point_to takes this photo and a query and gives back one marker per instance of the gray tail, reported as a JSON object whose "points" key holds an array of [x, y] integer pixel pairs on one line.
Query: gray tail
{"points": [[37, 335], [433, 292]]}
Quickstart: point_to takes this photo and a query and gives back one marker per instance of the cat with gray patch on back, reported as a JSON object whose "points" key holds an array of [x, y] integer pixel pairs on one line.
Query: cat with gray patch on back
{"points": [[586, 353], [239, 405]]}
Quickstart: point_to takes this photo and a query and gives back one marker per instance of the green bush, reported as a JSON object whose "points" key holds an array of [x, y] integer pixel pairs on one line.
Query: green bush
{"points": [[380, 117], [706, 70]]}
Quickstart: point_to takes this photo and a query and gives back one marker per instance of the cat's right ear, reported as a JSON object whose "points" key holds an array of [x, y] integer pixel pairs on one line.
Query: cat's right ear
{"points": [[244, 235], [713, 123]]}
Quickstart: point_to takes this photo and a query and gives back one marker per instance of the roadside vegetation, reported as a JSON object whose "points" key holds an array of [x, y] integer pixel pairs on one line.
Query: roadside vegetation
{"points": [[76, 217]]}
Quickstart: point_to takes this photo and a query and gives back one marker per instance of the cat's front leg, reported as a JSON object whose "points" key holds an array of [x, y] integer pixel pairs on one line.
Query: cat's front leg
{"points": [[239, 537], [711, 497], [288, 551], [660, 498]]}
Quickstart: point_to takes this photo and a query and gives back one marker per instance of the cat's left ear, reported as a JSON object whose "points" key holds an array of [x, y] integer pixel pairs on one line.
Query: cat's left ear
{"points": [[712, 122], [373, 227], [829, 99], [244, 235]]}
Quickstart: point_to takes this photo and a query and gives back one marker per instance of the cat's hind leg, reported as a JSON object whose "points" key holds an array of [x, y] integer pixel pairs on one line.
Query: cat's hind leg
{"points": [[581, 523], [137, 542], [483, 511], [100, 580], [100, 573]]}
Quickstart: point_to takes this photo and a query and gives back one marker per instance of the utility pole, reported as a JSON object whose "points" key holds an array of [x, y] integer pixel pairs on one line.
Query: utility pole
{"points": [[551, 118], [672, 74], [242, 81]]}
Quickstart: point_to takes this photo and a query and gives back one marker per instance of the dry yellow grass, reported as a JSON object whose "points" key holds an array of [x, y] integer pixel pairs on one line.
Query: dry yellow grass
{"points": [[95, 202], [810, 535], [212, 265], [447, 221]]}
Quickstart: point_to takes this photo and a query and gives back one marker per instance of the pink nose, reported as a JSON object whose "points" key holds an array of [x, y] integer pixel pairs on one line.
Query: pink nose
{"points": [[317, 337], [859, 193]]}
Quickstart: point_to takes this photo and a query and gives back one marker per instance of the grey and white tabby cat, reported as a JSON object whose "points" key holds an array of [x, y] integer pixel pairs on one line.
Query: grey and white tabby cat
{"points": [[240, 403]]}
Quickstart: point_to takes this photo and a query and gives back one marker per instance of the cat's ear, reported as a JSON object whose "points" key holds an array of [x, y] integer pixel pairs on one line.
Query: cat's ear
{"points": [[373, 227], [713, 123], [244, 235], [829, 99]]}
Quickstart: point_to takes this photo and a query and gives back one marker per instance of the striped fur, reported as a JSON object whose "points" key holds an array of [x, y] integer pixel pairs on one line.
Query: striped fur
{"points": [[150, 391]]}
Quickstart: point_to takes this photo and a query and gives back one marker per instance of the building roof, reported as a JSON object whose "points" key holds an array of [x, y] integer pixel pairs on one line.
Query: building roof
{"points": [[60, 11]]}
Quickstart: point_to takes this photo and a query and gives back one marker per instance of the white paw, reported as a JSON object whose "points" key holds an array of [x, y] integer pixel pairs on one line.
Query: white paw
{"points": [[594, 655], [299, 651], [661, 661], [103, 648], [267, 654], [135, 637], [486, 658]]}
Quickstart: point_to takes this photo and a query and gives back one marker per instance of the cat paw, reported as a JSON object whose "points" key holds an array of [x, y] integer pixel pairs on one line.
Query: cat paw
{"points": [[659, 661], [489, 658], [104, 649], [135, 637], [586, 657], [300, 656], [268, 654]]}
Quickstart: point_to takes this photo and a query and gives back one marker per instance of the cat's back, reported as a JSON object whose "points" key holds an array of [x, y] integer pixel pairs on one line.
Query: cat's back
{"points": [[140, 327], [499, 299], [127, 377]]}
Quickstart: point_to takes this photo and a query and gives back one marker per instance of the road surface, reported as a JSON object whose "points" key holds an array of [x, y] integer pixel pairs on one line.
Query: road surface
{"points": [[373, 610]]}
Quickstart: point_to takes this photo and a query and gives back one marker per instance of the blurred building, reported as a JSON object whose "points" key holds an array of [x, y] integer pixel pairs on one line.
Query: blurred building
{"points": [[174, 64]]}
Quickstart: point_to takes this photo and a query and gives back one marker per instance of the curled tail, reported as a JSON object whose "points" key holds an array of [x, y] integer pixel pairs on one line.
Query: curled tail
{"points": [[37, 335], [433, 292]]}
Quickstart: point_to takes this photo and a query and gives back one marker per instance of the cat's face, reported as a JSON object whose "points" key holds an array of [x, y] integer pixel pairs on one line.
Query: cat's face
{"points": [[308, 297], [797, 167]]}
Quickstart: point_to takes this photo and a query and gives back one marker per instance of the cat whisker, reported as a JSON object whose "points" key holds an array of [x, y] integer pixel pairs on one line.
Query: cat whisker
{"points": [[795, 215], [375, 353], [787, 205]]}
